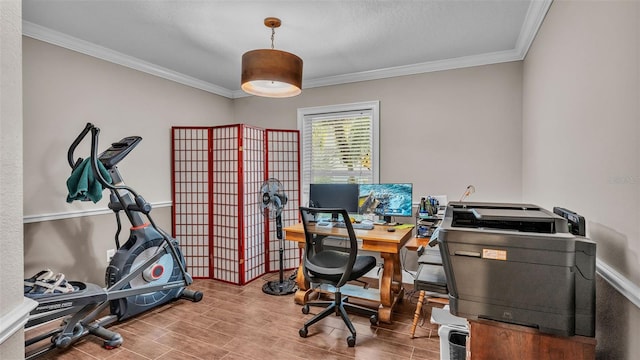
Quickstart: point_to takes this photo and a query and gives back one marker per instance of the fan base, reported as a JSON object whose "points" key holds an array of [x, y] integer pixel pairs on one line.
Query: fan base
{"points": [[285, 287]]}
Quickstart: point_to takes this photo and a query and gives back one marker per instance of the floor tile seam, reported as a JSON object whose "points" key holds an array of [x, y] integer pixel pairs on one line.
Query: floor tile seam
{"points": [[394, 344], [177, 334], [155, 340], [88, 354], [386, 352], [183, 353], [308, 345], [231, 352], [202, 343], [122, 329], [163, 326], [115, 356]]}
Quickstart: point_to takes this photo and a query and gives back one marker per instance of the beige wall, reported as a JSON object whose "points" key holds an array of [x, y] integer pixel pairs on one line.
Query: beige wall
{"points": [[581, 144], [77, 247], [441, 131], [63, 90]]}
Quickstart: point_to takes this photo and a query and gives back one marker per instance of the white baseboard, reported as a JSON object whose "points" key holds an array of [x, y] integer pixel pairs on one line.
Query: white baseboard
{"points": [[14, 320], [625, 287]]}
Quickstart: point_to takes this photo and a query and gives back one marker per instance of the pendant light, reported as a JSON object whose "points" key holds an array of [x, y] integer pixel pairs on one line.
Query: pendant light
{"points": [[270, 72]]}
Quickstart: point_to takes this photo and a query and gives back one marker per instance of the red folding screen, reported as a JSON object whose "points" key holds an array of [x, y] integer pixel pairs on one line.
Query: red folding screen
{"points": [[217, 201], [283, 163]]}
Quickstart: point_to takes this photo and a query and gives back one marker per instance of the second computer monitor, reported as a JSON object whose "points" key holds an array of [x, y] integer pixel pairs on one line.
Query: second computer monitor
{"points": [[392, 199], [344, 196]]}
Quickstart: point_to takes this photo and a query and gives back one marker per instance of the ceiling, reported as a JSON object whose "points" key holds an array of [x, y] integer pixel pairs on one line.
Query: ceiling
{"points": [[200, 43]]}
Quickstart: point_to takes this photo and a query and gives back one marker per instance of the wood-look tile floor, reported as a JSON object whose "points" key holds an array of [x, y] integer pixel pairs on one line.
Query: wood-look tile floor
{"points": [[241, 322]]}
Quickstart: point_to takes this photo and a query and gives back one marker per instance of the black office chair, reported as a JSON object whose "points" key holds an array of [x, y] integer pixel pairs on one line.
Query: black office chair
{"points": [[333, 266]]}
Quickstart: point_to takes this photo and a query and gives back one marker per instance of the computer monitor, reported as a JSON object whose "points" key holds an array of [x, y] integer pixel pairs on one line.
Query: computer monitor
{"points": [[344, 196], [387, 200]]}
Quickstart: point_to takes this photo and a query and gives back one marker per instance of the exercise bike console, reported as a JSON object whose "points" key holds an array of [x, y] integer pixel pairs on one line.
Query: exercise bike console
{"points": [[118, 151]]}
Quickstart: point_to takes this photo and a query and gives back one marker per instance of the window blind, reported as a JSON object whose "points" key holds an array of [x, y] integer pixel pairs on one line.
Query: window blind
{"points": [[339, 144], [339, 148]]}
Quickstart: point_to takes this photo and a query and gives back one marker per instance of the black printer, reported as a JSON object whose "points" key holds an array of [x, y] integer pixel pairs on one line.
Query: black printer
{"points": [[519, 263]]}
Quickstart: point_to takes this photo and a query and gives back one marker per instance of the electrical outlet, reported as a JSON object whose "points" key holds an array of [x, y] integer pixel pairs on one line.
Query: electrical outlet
{"points": [[110, 254]]}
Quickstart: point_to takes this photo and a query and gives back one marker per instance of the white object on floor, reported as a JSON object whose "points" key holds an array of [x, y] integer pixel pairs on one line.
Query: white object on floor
{"points": [[447, 323]]}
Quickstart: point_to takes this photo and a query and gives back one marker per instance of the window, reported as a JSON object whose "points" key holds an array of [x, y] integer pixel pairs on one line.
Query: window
{"points": [[339, 144]]}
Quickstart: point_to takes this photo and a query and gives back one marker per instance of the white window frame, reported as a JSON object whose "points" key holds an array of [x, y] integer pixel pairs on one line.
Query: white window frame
{"points": [[369, 106]]}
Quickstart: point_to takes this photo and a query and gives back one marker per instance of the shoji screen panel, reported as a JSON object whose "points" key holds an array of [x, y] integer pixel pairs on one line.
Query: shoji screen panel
{"points": [[190, 189], [217, 213], [253, 217], [283, 163], [226, 202]]}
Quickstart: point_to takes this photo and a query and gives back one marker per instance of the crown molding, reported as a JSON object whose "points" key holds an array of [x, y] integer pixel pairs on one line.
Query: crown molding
{"points": [[533, 20], [72, 43], [413, 69], [426, 67]]}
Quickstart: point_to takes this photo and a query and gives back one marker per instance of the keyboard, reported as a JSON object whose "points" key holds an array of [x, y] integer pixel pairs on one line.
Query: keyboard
{"points": [[359, 226]]}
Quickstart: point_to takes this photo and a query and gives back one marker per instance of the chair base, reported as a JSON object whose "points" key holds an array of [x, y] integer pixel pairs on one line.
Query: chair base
{"points": [[339, 306]]}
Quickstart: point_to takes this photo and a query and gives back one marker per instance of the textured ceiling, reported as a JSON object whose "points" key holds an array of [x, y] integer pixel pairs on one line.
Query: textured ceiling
{"points": [[200, 43]]}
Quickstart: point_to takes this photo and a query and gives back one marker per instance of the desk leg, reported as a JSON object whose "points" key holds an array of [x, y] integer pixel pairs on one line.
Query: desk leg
{"points": [[391, 290], [304, 288]]}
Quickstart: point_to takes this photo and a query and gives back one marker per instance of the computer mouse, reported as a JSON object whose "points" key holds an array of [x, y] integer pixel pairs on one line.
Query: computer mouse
{"points": [[366, 222], [391, 229]]}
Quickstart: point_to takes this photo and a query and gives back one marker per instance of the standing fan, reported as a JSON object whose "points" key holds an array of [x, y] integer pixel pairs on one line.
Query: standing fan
{"points": [[274, 199]]}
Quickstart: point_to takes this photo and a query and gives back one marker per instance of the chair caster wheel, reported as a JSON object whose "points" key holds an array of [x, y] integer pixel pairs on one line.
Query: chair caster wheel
{"points": [[373, 319], [351, 341], [305, 309], [303, 332]]}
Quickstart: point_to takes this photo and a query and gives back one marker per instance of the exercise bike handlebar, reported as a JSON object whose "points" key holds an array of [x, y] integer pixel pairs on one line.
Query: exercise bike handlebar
{"points": [[75, 144], [95, 133], [138, 205], [141, 205]]}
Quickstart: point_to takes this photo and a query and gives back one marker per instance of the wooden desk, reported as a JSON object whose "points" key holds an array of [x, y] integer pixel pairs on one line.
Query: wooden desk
{"points": [[388, 244], [415, 242]]}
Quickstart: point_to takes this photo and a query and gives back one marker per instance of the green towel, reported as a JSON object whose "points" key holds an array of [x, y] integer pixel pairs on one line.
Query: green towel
{"points": [[83, 185]]}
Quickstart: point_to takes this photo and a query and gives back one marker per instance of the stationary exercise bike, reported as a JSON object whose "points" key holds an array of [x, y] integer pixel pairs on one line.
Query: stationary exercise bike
{"points": [[148, 270]]}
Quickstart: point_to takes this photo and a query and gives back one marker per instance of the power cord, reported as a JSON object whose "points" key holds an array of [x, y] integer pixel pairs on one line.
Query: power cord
{"points": [[403, 257]]}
